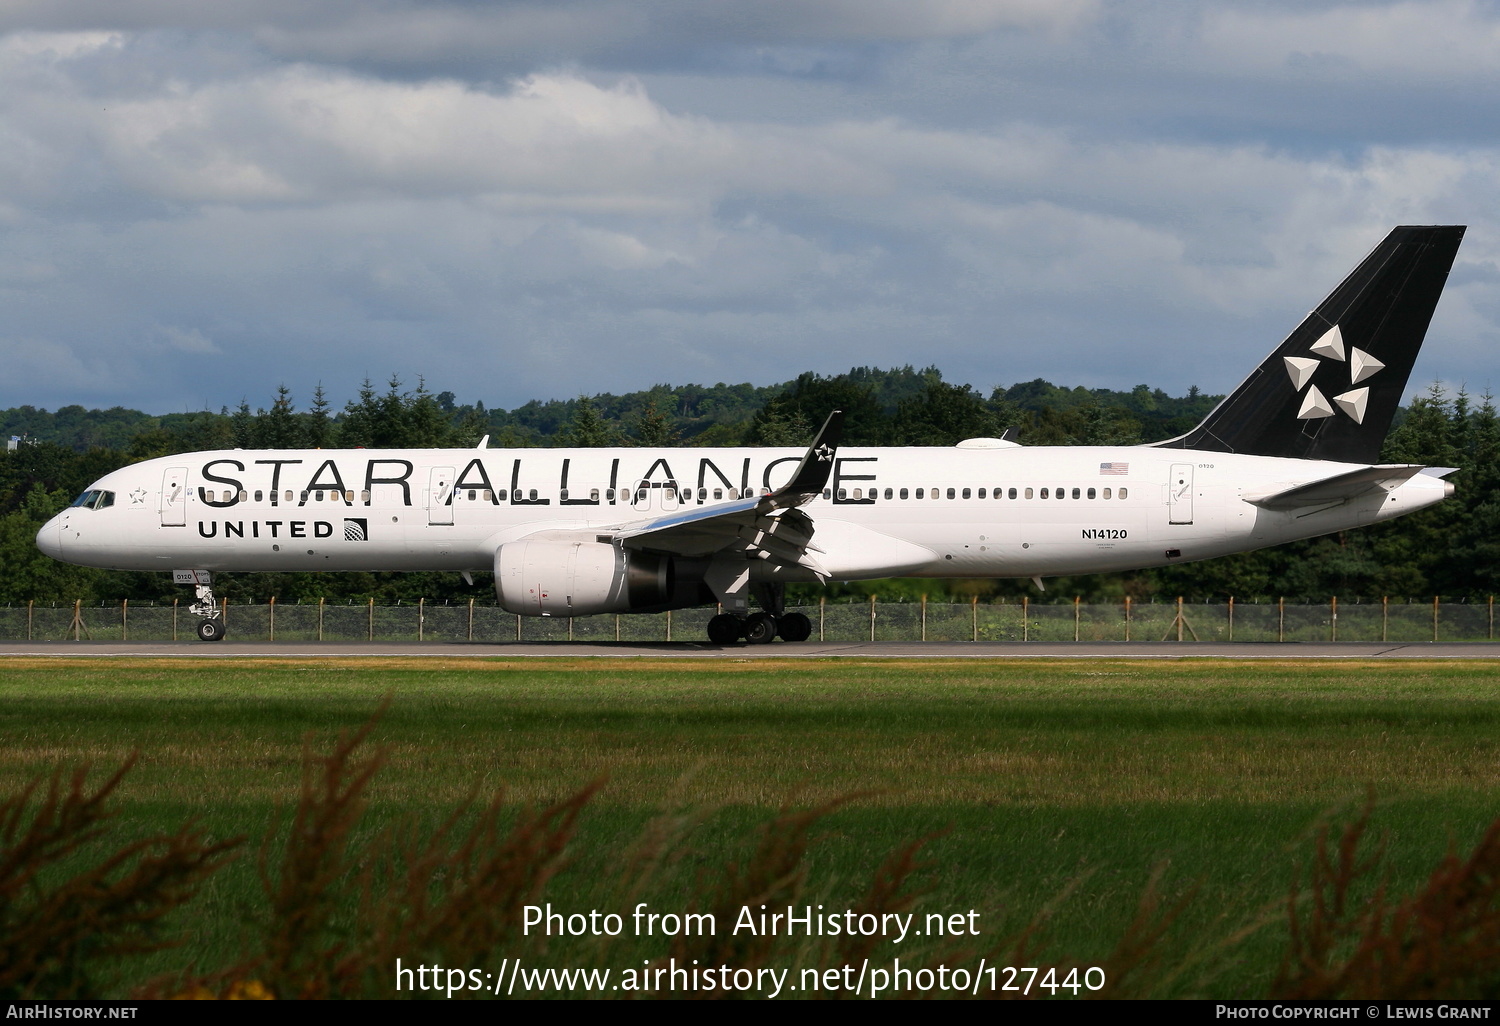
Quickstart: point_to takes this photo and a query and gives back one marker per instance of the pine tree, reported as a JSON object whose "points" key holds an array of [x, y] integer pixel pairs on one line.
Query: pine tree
{"points": [[587, 429], [278, 429], [654, 429], [318, 429]]}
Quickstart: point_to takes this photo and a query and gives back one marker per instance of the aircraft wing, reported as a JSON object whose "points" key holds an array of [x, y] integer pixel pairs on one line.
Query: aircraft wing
{"points": [[768, 525], [1338, 488]]}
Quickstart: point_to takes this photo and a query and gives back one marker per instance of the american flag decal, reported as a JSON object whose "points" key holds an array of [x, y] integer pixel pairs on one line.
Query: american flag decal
{"points": [[1114, 469]]}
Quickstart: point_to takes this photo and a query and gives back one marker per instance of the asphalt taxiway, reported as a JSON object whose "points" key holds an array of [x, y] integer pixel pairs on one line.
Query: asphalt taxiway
{"points": [[777, 650]]}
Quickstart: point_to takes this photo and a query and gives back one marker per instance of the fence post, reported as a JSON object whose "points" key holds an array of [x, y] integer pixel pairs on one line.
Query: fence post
{"points": [[421, 618], [1076, 600], [872, 617], [1333, 619], [321, 600], [1491, 634], [669, 626], [570, 626], [273, 617], [471, 618], [518, 626], [174, 619], [924, 618], [617, 626], [822, 606], [224, 614], [1434, 617], [1231, 618], [1127, 617], [32, 602], [77, 617], [974, 615], [1385, 614], [1025, 617], [372, 618], [1281, 618]]}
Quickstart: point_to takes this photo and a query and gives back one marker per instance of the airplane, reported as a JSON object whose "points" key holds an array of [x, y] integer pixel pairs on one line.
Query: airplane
{"points": [[1291, 453]]}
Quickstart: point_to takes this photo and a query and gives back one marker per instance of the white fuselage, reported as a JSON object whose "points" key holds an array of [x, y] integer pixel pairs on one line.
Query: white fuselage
{"points": [[932, 512]]}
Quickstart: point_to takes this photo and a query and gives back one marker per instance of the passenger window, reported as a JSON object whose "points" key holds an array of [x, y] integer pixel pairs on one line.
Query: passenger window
{"points": [[364, 496], [515, 496], [258, 494], [843, 494], [1028, 493], [827, 493], [228, 495], [1013, 494], [304, 496], [564, 495], [1106, 493], [1124, 492], [919, 494], [888, 493], [966, 493], [1061, 493], [318, 496], [533, 495], [609, 493], [719, 493], [981, 493], [593, 495], [349, 496], [1091, 493], [289, 495], [903, 494], [1076, 493], [935, 495]]}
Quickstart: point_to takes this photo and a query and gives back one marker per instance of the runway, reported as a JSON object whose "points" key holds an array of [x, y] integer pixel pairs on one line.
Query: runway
{"points": [[704, 650]]}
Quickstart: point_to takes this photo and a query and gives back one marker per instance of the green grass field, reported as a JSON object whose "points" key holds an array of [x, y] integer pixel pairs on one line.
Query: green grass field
{"points": [[1031, 778]]}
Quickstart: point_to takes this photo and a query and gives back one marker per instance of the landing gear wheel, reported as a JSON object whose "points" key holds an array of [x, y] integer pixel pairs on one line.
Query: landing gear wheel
{"points": [[760, 628], [794, 627], [725, 629], [210, 630]]}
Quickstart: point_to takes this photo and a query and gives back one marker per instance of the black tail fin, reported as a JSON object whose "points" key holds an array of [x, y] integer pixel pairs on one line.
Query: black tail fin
{"points": [[1330, 390]]}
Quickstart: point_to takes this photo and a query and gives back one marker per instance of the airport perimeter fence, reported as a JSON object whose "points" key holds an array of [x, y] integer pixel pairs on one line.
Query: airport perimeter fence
{"points": [[1384, 620]]}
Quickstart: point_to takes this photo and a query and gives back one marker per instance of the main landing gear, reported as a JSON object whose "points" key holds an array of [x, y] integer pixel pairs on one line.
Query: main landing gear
{"points": [[758, 628], [764, 627], [211, 625]]}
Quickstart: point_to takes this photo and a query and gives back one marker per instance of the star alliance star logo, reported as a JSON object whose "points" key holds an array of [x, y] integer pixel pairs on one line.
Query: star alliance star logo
{"points": [[1361, 366], [138, 496], [823, 453]]}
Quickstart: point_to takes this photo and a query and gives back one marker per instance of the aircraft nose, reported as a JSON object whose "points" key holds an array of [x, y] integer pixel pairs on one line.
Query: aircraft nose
{"points": [[49, 538]]}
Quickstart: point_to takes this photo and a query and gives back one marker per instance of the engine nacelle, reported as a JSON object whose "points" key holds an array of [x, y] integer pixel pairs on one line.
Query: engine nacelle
{"points": [[563, 577]]}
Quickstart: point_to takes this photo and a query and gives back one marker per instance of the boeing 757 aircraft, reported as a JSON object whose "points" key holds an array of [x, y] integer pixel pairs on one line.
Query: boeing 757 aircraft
{"points": [[1291, 453]]}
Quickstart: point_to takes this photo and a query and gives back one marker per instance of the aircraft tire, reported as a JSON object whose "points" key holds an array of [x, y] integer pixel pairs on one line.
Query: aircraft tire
{"points": [[794, 627], [760, 628], [725, 629], [210, 630]]}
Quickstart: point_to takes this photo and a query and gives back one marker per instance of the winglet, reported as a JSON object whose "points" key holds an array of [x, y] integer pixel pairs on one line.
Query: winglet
{"points": [[815, 469]]}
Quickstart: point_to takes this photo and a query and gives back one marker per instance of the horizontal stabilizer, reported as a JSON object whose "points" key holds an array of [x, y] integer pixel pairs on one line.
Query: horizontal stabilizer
{"points": [[1338, 488]]}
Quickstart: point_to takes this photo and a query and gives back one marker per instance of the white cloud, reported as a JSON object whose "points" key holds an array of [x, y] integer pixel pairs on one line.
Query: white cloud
{"points": [[204, 232]]}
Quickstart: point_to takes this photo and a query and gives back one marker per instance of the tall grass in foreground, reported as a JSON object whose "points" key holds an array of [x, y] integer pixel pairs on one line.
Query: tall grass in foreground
{"points": [[339, 907]]}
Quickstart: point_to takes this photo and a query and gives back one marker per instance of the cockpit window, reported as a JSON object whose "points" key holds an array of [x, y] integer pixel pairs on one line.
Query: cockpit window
{"points": [[95, 499]]}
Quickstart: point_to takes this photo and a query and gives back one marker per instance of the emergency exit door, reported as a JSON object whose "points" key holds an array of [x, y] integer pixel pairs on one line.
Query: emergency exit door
{"points": [[440, 496]]}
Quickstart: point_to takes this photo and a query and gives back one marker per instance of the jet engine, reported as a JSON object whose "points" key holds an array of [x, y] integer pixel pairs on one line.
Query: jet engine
{"points": [[574, 577]]}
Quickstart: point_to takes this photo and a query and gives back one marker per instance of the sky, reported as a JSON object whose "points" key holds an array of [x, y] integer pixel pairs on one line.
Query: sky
{"points": [[201, 200]]}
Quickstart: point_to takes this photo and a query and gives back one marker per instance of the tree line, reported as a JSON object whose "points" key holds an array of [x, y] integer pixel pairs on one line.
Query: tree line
{"points": [[1447, 550]]}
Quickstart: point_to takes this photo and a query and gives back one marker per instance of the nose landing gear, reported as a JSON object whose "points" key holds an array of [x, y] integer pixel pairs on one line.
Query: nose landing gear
{"points": [[211, 626]]}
